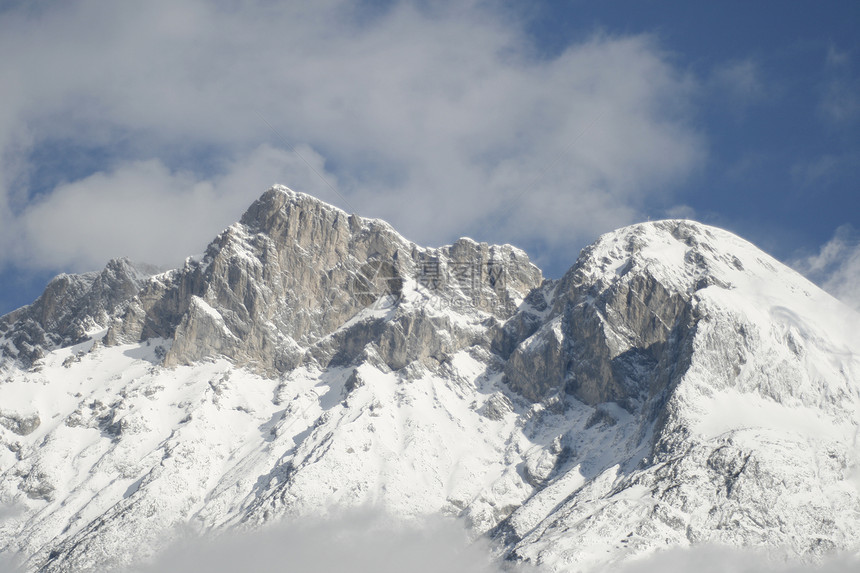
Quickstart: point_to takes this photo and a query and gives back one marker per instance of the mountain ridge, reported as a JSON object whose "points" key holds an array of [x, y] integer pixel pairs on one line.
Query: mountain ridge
{"points": [[676, 383]]}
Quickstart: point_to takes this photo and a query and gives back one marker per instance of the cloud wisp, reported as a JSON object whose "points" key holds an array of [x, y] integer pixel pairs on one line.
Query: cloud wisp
{"points": [[836, 267], [840, 102], [444, 121], [739, 81]]}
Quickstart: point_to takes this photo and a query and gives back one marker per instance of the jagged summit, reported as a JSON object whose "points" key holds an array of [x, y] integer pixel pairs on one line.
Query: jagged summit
{"points": [[676, 386], [280, 199], [272, 289], [70, 307], [290, 272]]}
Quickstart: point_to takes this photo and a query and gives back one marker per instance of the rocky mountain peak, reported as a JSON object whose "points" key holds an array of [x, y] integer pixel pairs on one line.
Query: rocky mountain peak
{"points": [[69, 308], [293, 219], [682, 255], [632, 309], [273, 288]]}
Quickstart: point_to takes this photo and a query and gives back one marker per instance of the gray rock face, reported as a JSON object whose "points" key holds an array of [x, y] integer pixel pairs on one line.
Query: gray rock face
{"points": [[273, 288], [71, 306], [602, 330], [19, 424], [616, 327]]}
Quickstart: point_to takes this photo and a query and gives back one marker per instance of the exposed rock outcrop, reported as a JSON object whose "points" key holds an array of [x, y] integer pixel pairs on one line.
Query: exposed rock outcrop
{"points": [[71, 306], [273, 288]]}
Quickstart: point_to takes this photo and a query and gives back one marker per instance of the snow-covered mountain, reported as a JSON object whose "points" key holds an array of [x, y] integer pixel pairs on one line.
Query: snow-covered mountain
{"points": [[677, 386]]}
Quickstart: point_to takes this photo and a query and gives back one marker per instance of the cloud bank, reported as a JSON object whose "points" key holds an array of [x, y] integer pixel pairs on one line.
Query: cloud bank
{"points": [[444, 119], [721, 559], [145, 211], [360, 542], [369, 542]]}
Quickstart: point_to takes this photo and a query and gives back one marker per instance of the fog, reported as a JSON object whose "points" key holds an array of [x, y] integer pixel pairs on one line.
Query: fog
{"points": [[721, 559], [369, 541], [359, 542]]}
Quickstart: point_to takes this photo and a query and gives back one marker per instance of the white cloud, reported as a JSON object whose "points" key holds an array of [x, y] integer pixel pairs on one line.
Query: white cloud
{"points": [[722, 559], [442, 120], [680, 212], [836, 57], [145, 211], [9, 563], [836, 267], [740, 80], [369, 541], [818, 171], [840, 102], [827, 172], [8, 512], [361, 542]]}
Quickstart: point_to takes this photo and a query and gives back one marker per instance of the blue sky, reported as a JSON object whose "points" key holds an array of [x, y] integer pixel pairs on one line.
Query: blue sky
{"points": [[142, 130]]}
